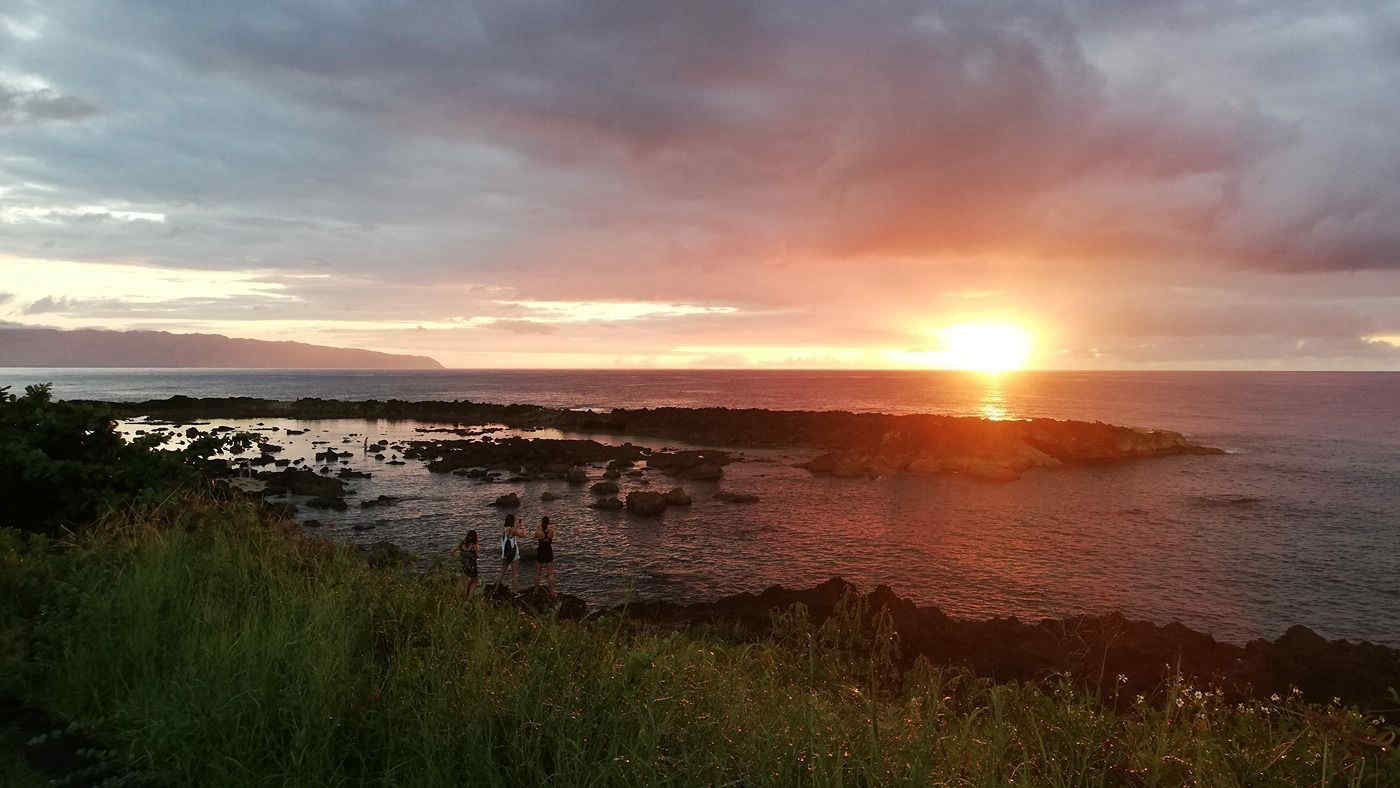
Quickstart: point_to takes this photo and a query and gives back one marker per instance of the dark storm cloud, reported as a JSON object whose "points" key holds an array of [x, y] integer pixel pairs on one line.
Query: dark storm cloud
{"points": [[894, 128]]}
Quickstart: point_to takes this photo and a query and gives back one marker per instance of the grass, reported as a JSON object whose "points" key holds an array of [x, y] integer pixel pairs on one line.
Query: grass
{"points": [[208, 648]]}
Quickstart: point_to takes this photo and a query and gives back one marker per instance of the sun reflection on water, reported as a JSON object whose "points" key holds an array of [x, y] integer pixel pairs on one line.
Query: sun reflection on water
{"points": [[993, 401]]}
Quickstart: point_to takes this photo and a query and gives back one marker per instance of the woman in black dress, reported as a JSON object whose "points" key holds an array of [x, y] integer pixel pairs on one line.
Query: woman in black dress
{"points": [[544, 556], [468, 550]]}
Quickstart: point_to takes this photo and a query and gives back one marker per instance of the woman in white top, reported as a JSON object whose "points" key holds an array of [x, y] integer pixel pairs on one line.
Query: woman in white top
{"points": [[510, 552]]}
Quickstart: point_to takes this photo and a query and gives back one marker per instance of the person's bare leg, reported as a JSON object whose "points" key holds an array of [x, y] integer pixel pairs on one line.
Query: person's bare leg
{"points": [[552, 590]]}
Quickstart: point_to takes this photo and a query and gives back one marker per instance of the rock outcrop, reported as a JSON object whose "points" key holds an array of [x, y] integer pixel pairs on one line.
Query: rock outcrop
{"points": [[1096, 650], [854, 443]]}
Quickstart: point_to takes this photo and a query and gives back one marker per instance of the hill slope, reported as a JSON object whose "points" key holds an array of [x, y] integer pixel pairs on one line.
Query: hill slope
{"points": [[47, 347]]}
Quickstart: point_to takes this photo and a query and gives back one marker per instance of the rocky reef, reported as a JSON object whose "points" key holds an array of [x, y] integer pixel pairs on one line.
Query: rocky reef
{"points": [[1115, 656], [854, 444]]}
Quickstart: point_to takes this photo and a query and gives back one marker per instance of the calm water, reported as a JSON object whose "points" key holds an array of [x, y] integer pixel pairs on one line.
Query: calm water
{"points": [[1299, 524]]}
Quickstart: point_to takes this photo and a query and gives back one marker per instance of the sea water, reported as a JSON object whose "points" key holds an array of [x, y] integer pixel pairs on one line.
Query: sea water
{"points": [[1298, 524]]}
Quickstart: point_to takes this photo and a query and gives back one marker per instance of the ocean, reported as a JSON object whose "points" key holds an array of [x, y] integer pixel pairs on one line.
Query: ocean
{"points": [[1298, 524]]}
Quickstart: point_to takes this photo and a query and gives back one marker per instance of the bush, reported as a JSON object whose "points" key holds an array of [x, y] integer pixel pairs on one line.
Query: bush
{"points": [[62, 465]]}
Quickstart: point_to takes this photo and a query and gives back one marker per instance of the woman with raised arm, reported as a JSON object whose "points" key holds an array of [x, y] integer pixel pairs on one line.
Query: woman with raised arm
{"points": [[510, 553]]}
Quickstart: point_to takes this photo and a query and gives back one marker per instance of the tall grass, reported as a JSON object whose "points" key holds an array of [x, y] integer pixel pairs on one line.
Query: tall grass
{"points": [[212, 649]]}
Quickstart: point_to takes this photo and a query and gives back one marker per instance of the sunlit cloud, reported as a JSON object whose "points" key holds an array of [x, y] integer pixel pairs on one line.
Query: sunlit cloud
{"points": [[30, 280], [586, 311], [14, 214]]}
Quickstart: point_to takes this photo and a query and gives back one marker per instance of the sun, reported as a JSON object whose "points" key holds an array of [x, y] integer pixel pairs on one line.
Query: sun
{"points": [[986, 347]]}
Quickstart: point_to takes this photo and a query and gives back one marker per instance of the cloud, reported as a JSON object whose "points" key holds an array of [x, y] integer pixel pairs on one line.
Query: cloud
{"points": [[22, 107], [47, 304], [825, 171]]}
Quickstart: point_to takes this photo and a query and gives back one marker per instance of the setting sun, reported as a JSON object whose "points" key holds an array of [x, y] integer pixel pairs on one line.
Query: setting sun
{"points": [[986, 347]]}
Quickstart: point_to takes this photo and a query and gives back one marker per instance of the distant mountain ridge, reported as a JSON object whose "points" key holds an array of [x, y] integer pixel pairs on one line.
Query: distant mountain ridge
{"points": [[49, 347]]}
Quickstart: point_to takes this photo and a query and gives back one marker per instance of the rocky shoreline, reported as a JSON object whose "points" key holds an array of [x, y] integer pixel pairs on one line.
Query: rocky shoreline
{"points": [[852, 444], [1111, 655]]}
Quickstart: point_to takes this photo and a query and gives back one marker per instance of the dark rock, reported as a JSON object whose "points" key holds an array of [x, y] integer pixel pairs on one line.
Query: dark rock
{"points": [[576, 475], [516, 455], [302, 481], [383, 500], [604, 488], [281, 463], [346, 473], [395, 462], [646, 504], [323, 502], [610, 503], [507, 501], [1093, 650], [312, 523], [677, 496], [736, 497], [192, 433], [548, 496], [691, 464], [381, 456], [611, 474], [705, 471]]}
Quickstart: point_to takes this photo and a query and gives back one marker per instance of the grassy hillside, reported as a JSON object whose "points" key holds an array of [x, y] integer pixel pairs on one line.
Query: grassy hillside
{"points": [[203, 646]]}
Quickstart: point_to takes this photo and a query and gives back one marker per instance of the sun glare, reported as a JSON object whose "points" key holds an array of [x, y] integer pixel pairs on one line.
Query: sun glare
{"points": [[986, 347]]}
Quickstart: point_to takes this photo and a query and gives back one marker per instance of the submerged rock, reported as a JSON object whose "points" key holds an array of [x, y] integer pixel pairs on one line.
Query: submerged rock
{"points": [[507, 501], [736, 497], [604, 488], [677, 496], [325, 502], [383, 500], [611, 503], [647, 504]]}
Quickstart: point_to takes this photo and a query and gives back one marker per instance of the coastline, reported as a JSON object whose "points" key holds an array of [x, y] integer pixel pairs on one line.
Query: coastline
{"points": [[1110, 654], [853, 444]]}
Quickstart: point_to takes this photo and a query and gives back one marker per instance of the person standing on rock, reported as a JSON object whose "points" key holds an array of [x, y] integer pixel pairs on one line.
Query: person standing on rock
{"points": [[510, 553], [544, 557], [468, 550]]}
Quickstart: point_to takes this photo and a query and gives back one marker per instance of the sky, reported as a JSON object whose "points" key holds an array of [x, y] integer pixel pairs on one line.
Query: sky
{"points": [[797, 183]]}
